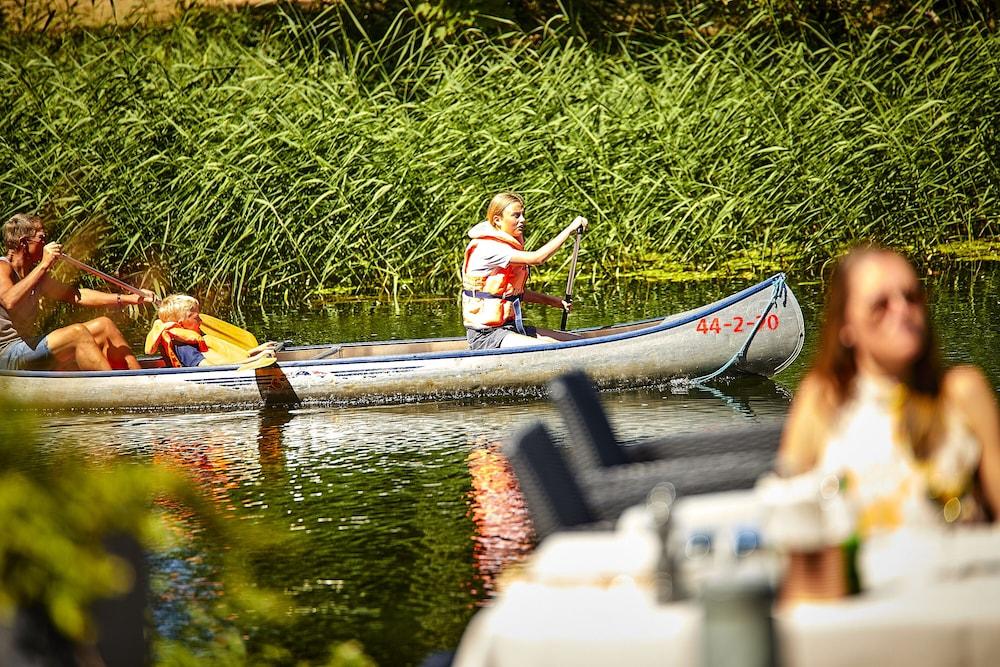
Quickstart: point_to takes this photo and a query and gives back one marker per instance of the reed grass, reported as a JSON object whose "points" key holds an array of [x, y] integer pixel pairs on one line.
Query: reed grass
{"points": [[280, 154]]}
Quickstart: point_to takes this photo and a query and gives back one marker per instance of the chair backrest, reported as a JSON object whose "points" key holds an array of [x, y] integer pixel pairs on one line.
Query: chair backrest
{"points": [[760, 439], [592, 441], [554, 498]]}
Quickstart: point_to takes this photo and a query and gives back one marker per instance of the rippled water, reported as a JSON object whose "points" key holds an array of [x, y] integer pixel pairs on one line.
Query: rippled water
{"points": [[403, 516]]}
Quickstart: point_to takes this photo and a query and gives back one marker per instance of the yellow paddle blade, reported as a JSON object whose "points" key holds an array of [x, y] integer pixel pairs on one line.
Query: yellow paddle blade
{"points": [[229, 332], [260, 362], [222, 351]]}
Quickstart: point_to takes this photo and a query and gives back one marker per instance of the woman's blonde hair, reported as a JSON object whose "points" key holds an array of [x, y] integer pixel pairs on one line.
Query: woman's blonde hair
{"points": [[501, 201], [176, 307]]}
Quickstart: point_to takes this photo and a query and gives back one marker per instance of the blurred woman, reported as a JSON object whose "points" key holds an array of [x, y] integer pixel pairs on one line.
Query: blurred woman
{"points": [[914, 445], [494, 275], [878, 406]]}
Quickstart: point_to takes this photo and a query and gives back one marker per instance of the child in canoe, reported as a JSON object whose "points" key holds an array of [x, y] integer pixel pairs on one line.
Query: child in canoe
{"points": [[494, 274], [178, 336]]}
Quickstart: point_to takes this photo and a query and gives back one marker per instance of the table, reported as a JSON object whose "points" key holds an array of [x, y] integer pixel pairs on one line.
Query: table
{"points": [[589, 599]]}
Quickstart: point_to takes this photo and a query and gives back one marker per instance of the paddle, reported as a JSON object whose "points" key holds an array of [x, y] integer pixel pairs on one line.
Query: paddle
{"points": [[105, 277], [209, 324], [259, 362], [229, 332], [572, 276]]}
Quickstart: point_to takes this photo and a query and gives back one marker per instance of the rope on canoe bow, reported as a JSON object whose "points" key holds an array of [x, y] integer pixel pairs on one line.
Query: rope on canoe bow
{"points": [[777, 292]]}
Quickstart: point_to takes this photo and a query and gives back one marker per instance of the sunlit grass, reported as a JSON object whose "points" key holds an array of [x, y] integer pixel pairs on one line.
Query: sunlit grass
{"points": [[278, 156]]}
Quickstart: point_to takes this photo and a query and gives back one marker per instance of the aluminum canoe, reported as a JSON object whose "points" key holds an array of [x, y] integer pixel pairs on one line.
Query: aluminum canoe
{"points": [[759, 330]]}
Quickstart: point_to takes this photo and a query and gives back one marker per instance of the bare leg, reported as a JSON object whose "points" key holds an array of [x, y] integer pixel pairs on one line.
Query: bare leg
{"points": [[111, 340], [75, 346], [544, 336], [556, 335]]}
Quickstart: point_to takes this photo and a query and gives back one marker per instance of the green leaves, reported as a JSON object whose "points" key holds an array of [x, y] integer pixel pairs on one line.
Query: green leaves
{"points": [[282, 153]]}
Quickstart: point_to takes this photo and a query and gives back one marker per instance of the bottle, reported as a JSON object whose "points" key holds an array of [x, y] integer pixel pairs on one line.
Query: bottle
{"points": [[660, 502]]}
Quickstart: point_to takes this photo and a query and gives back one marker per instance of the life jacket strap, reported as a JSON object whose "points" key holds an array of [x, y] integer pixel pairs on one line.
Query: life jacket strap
{"points": [[476, 294], [514, 299]]}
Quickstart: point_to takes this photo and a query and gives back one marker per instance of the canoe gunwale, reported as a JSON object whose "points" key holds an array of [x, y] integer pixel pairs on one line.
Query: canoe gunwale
{"points": [[665, 323]]}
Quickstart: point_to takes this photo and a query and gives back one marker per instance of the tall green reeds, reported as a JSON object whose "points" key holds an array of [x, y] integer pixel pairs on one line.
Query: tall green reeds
{"points": [[282, 154]]}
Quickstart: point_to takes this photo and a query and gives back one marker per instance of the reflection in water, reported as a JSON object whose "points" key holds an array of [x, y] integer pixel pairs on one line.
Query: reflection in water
{"points": [[402, 515], [679, 407], [503, 530]]}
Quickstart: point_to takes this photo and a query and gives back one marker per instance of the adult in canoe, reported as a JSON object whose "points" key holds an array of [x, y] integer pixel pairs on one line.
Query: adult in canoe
{"points": [[494, 274], [94, 345]]}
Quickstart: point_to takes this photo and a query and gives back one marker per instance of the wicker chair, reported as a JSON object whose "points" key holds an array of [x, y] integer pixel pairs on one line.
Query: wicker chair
{"points": [[593, 441], [554, 498], [615, 476]]}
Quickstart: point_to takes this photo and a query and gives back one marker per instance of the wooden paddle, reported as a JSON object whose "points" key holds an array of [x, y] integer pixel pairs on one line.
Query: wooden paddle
{"points": [[105, 277], [572, 276], [209, 324]]}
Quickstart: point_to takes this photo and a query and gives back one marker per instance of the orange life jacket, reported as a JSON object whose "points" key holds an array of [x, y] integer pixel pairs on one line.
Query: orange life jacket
{"points": [[163, 335], [492, 298]]}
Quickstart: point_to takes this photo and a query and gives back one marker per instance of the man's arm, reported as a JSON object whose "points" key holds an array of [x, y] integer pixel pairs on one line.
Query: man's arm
{"points": [[95, 299], [13, 294]]}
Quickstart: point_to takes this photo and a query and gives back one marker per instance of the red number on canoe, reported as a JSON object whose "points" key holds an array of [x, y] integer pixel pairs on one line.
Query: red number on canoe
{"points": [[738, 324]]}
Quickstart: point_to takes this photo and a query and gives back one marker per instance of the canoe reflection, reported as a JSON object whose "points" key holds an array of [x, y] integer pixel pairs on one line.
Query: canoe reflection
{"points": [[503, 529]]}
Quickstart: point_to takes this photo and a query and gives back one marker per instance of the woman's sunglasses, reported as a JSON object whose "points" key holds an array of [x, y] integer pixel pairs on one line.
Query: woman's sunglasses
{"points": [[910, 297]]}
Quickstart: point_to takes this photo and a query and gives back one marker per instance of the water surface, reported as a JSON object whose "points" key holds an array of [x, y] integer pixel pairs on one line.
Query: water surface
{"points": [[401, 517]]}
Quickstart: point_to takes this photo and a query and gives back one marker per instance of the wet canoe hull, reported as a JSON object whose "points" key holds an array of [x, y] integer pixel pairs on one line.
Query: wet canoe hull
{"points": [[764, 321]]}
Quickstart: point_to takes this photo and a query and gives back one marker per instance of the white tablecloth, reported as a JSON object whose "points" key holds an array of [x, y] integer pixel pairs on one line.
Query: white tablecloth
{"points": [[945, 623], [588, 599]]}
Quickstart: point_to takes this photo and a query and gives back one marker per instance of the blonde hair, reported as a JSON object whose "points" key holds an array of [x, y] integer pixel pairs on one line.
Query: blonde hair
{"points": [[176, 307], [501, 201]]}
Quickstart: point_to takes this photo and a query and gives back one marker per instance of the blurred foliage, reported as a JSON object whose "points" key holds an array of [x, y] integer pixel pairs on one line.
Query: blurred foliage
{"points": [[58, 509], [56, 514]]}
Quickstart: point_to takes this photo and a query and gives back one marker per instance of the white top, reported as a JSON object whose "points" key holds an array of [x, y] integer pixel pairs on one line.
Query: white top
{"points": [[490, 254], [889, 487]]}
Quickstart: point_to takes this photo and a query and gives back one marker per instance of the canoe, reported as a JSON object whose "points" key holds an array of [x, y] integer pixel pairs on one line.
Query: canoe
{"points": [[756, 331]]}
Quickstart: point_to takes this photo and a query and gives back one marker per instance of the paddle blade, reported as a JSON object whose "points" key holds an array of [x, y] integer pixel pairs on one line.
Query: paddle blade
{"points": [[229, 332]]}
